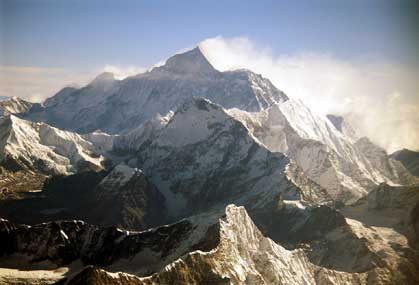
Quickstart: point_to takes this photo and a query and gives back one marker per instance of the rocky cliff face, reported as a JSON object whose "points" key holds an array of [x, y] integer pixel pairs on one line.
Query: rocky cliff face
{"points": [[206, 249]]}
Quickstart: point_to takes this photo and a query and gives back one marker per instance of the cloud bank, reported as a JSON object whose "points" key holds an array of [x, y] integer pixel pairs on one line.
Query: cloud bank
{"points": [[380, 100], [35, 84]]}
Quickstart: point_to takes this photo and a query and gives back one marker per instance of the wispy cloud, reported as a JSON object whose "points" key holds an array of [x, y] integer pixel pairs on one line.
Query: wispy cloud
{"points": [[381, 100], [38, 83], [123, 72]]}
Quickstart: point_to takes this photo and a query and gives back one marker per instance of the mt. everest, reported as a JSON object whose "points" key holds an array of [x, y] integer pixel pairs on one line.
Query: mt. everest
{"points": [[153, 164]]}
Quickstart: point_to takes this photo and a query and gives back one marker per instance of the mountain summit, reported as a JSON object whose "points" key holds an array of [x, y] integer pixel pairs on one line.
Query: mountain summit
{"points": [[119, 106], [188, 63], [186, 142], [103, 78]]}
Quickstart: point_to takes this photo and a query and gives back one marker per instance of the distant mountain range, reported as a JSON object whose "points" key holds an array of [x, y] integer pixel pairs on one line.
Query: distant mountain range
{"points": [[188, 175]]}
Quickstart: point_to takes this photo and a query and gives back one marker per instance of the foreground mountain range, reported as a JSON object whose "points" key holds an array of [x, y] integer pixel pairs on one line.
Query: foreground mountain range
{"points": [[188, 175]]}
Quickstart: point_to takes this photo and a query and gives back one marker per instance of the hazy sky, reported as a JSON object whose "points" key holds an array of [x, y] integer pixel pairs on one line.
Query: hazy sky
{"points": [[357, 57], [88, 34]]}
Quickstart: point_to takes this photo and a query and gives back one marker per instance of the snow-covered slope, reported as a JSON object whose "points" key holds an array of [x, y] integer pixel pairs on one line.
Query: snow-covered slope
{"points": [[40, 147], [347, 169], [118, 106], [327, 150], [202, 158], [146, 131], [13, 105]]}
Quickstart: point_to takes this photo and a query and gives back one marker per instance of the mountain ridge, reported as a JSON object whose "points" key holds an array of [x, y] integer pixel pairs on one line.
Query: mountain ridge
{"points": [[185, 174], [118, 106]]}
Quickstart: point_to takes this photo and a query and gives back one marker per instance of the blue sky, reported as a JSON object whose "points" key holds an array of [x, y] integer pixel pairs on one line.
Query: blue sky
{"points": [[87, 34]]}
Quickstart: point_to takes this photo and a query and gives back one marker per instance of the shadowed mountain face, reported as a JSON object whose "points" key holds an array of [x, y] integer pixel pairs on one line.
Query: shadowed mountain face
{"points": [[409, 158], [204, 177], [203, 158], [222, 247], [124, 198]]}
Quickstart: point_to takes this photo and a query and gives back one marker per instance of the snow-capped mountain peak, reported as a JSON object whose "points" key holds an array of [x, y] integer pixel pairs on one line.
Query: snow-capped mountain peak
{"points": [[227, 138], [46, 149], [192, 62], [104, 77], [13, 105], [119, 106], [193, 122]]}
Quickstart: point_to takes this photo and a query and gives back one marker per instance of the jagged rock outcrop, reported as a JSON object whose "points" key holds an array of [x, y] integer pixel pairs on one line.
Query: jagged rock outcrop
{"points": [[222, 249], [63, 242]]}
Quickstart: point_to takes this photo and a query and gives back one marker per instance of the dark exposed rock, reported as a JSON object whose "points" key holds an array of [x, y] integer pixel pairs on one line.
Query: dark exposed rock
{"points": [[135, 205], [92, 275], [310, 226], [403, 201], [336, 121], [66, 241], [409, 158], [16, 181]]}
